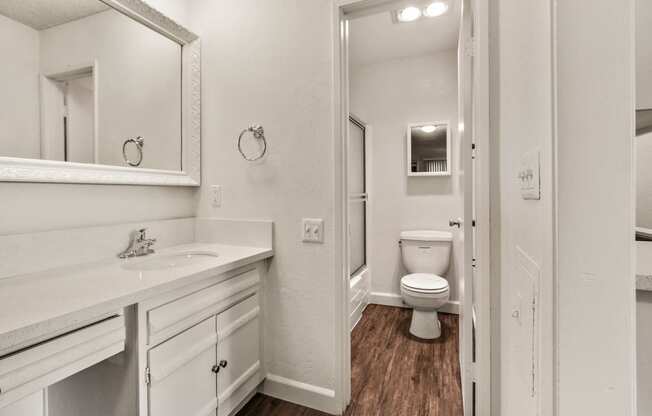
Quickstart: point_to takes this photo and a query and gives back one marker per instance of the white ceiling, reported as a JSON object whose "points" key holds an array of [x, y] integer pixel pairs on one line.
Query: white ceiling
{"points": [[377, 38], [43, 14]]}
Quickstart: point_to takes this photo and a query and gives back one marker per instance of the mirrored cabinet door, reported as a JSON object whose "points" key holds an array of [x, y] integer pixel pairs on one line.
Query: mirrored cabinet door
{"points": [[429, 149]]}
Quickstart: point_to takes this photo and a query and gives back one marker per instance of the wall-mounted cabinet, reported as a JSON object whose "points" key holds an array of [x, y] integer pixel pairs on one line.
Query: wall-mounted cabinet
{"points": [[429, 149]]}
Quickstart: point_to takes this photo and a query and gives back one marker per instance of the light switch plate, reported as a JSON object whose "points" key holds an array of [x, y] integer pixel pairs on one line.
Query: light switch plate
{"points": [[528, 176], [312, 230], [216, 195]]}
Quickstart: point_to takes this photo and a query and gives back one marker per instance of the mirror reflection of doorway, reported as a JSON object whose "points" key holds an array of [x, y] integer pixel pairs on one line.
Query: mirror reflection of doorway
{"points": [[358, 197], [68, 116]]}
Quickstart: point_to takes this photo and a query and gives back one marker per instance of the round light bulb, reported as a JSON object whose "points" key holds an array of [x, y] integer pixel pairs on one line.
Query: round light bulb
{"points": [[409, 14], [428, 129], [436, 9]]}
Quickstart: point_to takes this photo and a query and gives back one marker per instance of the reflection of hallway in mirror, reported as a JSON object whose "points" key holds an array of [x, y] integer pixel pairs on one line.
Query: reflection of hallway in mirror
{"points": [[79, 115]]}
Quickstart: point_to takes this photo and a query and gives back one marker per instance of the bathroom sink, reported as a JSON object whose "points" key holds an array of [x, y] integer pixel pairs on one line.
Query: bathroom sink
{"points": [[169, 261]]}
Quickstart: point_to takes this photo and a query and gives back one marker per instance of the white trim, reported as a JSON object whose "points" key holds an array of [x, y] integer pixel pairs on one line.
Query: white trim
{"points": [[341, 113], [35, 170], [304, 394], [387, 299], [393, 299]]}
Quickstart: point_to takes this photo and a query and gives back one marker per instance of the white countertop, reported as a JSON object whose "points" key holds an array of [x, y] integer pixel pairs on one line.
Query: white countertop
{"points": [[53, 300]]}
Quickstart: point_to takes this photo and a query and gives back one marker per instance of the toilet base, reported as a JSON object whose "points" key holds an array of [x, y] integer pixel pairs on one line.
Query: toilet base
{"points": [[425, 324]]}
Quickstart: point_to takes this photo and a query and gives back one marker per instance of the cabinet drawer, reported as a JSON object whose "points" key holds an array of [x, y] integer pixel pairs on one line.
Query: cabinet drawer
{"points": [[181, 378], [34, 368], [239, 348], [173, 317]]}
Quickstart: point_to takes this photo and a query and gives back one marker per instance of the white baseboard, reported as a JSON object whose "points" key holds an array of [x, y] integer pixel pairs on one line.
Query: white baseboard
{"points": [[300, 393], [393, 299]]}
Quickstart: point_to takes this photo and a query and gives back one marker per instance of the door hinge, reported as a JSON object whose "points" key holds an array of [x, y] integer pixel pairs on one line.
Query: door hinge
{"points": [[148, 376], [473, 223], [473, 150], [469, 47], [474, 262]]}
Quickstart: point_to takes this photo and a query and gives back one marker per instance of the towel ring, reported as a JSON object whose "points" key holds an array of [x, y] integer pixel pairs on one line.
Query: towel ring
{"points": [[259, 133], [139, 142]]}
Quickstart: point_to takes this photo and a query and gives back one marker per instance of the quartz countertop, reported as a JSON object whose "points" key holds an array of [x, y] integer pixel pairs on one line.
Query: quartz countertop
{"points": [[54, 301]]}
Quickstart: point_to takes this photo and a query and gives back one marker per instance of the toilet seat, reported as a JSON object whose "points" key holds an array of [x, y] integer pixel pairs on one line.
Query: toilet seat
{"points": [[425, 283]]}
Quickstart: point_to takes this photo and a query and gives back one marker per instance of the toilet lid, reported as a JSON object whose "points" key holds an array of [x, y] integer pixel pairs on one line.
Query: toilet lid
{"points": [[425, 282]]}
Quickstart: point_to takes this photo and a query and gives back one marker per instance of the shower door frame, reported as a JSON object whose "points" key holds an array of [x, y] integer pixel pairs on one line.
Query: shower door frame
{"points": [[366, 196]]}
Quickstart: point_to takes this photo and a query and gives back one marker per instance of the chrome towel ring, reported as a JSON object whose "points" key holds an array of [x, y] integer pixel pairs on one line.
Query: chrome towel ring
{"points": [[139, 142], [259, 133]]}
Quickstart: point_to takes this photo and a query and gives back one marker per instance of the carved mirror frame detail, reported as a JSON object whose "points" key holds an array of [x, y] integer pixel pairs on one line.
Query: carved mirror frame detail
{"points": [[48, 171]]}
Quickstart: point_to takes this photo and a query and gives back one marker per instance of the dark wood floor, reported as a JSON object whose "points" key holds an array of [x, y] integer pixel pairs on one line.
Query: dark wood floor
{"points": [[392, 372]]}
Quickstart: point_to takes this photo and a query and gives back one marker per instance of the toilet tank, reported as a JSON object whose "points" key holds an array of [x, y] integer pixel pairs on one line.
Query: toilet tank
{"points": [[426, 251]]}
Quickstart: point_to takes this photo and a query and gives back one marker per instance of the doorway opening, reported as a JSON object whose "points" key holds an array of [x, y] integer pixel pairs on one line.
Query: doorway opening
{"points": [[69, 115], [404, 75]]}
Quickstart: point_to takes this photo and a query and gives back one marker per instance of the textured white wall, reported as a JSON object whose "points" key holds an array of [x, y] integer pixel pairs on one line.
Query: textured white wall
{"points": [[19, 107], [596, 208], [389, 95], [270, 63], [644, 346], [522, 106], [643, 146]]}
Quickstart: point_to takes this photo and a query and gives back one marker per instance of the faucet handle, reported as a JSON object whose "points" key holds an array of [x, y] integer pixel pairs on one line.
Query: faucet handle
{"points": [[140, 234]]}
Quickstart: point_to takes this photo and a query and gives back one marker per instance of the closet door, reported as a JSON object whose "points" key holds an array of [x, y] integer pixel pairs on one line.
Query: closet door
{"points": [[182, 373], [238, 353]]}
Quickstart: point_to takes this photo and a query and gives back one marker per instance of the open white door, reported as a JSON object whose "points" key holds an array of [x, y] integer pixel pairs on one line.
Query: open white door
{"points": [[475, 309], [465, 104]]}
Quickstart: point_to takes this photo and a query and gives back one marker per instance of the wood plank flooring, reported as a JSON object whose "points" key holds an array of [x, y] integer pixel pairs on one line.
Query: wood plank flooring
{"points": [[393, 373]]}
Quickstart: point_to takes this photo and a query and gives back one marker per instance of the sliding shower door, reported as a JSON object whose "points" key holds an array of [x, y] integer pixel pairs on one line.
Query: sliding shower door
{"points": [[357, 197]]}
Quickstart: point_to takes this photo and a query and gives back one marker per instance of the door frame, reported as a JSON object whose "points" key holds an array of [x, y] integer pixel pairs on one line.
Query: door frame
{"points": [[480, 372]]}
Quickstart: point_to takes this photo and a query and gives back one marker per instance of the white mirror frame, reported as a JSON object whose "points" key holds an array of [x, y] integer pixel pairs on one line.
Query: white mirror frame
{"points": [[448, 149], [36, 170]]}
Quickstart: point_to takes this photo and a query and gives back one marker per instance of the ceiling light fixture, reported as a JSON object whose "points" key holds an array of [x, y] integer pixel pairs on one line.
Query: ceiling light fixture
{"points": [[428, 129], [409, 14], [435, 9]]}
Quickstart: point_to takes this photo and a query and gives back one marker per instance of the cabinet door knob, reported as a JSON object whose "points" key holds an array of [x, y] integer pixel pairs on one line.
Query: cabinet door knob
{"points": [[215, 369], [223, 363]]}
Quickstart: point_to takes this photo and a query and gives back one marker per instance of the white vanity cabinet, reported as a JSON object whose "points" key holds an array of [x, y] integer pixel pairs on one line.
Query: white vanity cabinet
{"points": [[200, 346]]}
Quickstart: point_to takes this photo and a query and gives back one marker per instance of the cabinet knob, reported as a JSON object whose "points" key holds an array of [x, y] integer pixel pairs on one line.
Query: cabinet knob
{"points": [[223, 363], [215, 369]]}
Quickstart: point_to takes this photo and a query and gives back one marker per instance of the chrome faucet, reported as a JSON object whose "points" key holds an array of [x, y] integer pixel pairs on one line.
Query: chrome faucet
{"points": [[140, 245]]}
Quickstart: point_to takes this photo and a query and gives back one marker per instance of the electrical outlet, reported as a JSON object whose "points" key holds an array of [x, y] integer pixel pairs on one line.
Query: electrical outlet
{"points": [[312, 230], [216, 195]]}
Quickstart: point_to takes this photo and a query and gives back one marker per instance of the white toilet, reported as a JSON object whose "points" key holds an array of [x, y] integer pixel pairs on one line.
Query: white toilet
{"points": [[426, 256]]}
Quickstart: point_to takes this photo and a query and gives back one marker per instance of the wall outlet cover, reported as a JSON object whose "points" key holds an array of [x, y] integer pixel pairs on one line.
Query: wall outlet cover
{"points": [[312, 230]]}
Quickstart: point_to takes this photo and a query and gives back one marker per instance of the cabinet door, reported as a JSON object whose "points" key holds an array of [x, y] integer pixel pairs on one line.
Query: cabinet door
{"points": [[238, 351], [182, 381]]}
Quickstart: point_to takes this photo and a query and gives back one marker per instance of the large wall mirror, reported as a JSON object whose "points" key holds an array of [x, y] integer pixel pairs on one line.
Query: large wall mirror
{"points": [[429, 149], [97, 92]]}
